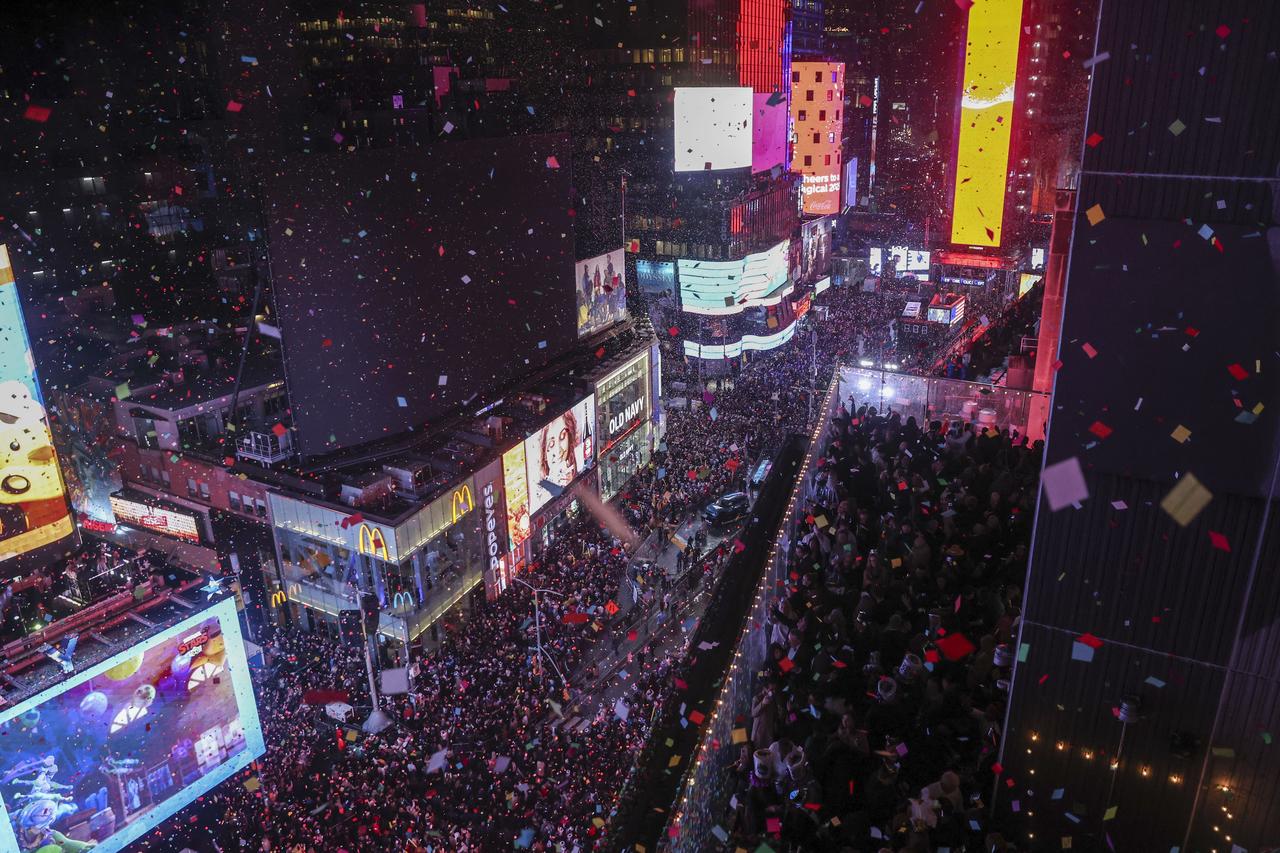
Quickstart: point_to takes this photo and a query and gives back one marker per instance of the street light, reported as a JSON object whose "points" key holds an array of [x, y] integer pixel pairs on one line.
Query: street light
{"points": [[537, 625]]}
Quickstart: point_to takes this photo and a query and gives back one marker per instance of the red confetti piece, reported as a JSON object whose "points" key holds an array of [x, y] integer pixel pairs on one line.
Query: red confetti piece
{"points": [[1100, 429], [234, 106], [1219, 541], [786, 665], [997, 768], [35, 113], [1089, 640], [1094, 139], [1237, 372], [956, 647], [673, 331], [1089, 350], [696, 717], [1223, 31], [864, 100]]}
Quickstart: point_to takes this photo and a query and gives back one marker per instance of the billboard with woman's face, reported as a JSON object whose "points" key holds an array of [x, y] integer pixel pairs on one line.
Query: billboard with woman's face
{"points": [[556, 454]]}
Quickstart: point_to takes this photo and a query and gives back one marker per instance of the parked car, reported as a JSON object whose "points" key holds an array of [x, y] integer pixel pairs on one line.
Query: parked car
{"points": [[727, 509]]}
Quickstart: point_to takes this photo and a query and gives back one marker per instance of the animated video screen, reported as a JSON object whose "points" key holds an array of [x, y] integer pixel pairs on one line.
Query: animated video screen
{"points": [[101, 759]]}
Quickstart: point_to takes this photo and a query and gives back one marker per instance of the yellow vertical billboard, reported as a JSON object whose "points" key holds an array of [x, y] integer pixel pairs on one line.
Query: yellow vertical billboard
{"points": [[516, 483], [986, 119], [33, 503]]}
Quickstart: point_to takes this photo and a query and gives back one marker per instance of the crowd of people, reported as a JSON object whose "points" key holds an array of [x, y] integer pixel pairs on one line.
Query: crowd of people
{"points": [[497, 746], [876, 722]]}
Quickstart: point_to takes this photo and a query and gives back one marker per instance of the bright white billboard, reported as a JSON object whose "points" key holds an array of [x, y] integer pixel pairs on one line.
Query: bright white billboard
{"points": [[558, 453], [727, 287], [713, 128], [749, 343]]}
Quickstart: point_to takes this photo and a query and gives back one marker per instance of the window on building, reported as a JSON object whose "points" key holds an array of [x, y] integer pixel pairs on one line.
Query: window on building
{"points": [[795, 76], [822, 115], [204, 491], [262, 508], [835, 76], [831, 136], [164, 477], [233, 498], [802, 116], [191, 488], [817, 76], [829, 93], [808, 160], [827, 161], [817, 137], [808, 94]]}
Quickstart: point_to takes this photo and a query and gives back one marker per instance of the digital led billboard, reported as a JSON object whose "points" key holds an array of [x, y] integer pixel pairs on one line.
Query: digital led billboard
{"points": [[656, 278], [401, 297], [108, 754], [515, 482], [748, 343], [33, 499], [815, 249], [602, 293], [559, 452], [986, 121], [84, 434], [177, 524], [727, 287], [817, 100], [768, 132], [712, 128], [850, 188]]}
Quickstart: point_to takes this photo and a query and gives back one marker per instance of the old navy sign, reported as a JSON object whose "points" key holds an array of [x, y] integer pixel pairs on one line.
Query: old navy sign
{"points": [[623, 419]]}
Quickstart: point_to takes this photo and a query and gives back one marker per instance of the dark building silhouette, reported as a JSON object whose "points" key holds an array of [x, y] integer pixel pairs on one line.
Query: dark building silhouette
{"points": [[1146, 701]]}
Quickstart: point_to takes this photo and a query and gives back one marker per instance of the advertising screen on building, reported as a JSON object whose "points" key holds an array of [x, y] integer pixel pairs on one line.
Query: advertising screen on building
{"points": [[763, 46], [768, 131], [986, 121], [727, 287], [84, 433], [713, 128], [559, 452], [622, 400], [33, 499], [381, 258], [817, 99], [850, 188], [656, 278], [168, 522], [602, 292], [108, 754], [748, 343], [515, 482], [815, 249]]}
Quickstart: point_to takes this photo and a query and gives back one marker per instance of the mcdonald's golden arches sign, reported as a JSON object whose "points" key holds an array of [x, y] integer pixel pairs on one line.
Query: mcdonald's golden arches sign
{"points": [[462, 501], [372, 542]]}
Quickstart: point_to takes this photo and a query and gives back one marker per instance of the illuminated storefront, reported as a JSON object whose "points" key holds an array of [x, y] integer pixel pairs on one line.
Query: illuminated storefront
{"points": [[625, 424], [419, 564], [153, 515], [986, 121]]}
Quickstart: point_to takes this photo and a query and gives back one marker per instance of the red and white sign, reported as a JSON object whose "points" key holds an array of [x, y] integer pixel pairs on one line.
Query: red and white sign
{"points": [[155, 518]]}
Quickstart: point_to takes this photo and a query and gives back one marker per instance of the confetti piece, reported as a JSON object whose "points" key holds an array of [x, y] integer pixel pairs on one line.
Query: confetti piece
{"points": [[1177, 127], [1064, 484], [234, 106], [1186, 499], [1154, 682], [1094, 139], [1237, 372], [1081, 652], [1100, 429], [1180, 434], [956, 647], [1095, 214], [35, 113], [1219, 541], [1089, 350]]}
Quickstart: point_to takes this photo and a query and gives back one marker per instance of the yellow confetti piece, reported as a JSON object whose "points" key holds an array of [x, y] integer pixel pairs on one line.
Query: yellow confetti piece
{"points": [[739, 735], [252, 784], [1095, 214], [1066, 842], [1257, 410], [675, 759], [1111, 813], [1181, 434], [896, 562], [1185, 500]]}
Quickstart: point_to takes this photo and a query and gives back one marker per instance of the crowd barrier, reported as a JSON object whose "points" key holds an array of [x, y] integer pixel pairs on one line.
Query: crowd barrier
{"points": [[929, 398]]}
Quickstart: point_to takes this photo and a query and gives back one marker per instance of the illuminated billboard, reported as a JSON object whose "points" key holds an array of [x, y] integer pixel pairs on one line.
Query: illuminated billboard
{"points": [[727, 287], [817, 99], [177, 524], [986, 119], [84, 435], [559, 452], [602, 293], [749, 343], [815, 249], [110, 753], [33, 499], [850, 188], [762, 44], [768, 132], [713, 128], [515, 482], [656, 278], [906, 262]]}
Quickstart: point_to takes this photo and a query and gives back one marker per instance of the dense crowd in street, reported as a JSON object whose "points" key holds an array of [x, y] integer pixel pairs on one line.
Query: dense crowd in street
{"points": [[876, 723], [492, 748]]}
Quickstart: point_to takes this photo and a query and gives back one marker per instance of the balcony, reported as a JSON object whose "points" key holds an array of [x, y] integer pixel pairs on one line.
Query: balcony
{"points": [[265, 448]]}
